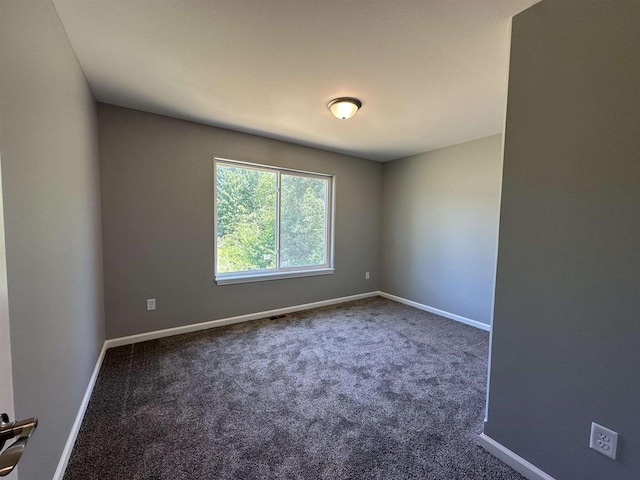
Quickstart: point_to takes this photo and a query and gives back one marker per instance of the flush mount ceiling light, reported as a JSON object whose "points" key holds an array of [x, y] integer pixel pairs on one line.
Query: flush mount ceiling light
{"points": [[344, 107]]}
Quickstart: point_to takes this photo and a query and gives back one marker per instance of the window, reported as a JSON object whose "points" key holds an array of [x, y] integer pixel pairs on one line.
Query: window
{"points": [[271, 223]]}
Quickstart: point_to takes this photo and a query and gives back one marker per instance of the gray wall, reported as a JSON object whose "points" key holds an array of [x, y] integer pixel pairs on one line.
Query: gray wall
{"points": [[6, 392], [440, 227], [566, 331], [157, 209], [52, 225]]}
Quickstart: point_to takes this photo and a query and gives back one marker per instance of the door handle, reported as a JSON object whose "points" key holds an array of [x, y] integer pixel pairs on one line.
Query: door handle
{"points": [[21, 430]]}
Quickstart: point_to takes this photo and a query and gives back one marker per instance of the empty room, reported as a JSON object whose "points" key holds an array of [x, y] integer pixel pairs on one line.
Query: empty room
{"points": [[332, 239]]}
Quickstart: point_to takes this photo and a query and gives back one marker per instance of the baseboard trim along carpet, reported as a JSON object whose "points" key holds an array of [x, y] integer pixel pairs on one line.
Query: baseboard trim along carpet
{"points": [[71, 440], [512, 459], [442, 313], [116, 342], [143, 337], [168, 332]]}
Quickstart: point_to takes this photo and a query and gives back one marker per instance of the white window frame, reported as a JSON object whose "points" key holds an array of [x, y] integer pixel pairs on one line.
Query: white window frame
{"points": [[276, 273]]}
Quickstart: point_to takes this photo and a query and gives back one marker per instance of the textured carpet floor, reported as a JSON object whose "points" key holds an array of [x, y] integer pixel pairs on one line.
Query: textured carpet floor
{"points": [[366, 390]]}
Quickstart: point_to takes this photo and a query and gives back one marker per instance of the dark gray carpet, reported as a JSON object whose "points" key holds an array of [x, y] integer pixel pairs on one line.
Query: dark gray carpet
{"points": [[366, 390]]}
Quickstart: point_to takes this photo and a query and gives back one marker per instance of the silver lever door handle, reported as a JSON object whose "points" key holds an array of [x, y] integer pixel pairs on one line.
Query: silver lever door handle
{"points": [[8, 430]]}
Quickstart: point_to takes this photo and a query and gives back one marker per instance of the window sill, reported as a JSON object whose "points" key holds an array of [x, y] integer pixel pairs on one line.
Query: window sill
{"points": [[230, 279]]}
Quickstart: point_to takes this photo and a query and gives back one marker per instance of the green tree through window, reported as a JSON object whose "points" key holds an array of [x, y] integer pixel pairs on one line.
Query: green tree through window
{"points": [[246, 208], [270, 219], [302, 221]]}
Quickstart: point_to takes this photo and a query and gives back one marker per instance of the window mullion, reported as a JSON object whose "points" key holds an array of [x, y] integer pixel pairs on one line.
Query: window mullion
{"points": [[278, 188]]}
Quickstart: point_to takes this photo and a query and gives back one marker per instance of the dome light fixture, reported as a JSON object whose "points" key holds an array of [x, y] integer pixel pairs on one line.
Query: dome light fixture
{"points": [[344, 107]]}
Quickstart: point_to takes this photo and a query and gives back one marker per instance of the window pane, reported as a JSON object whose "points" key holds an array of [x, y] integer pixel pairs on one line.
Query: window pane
{"points": [[303, 221], [246, 219]]}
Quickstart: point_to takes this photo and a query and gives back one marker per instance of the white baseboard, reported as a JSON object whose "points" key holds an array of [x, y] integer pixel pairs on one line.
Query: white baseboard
{"points": [[71, 440], [168, 332], [514, 460], [116, 342], [143, 337], [442, 313]]}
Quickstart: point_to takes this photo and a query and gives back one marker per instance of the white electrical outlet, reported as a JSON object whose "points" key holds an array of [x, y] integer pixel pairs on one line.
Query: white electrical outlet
{"points": [[151, 304], [603, 440], [366, 276]]}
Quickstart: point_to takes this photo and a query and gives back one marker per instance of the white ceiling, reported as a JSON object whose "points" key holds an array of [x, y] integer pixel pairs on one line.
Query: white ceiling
{"points": [[429, 73]]}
